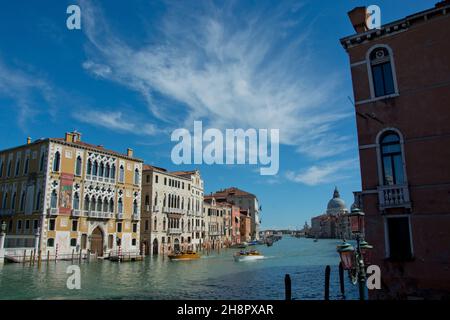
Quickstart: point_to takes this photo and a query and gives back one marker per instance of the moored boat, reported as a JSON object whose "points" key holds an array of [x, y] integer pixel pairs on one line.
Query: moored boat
{"points": [[188, 255], [248, 255]]}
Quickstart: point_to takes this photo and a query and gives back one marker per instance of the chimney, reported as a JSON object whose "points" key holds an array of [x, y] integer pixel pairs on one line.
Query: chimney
{"points": [[28, 140], [358, 18], [68, 137], [76, 136], [129, 153]]}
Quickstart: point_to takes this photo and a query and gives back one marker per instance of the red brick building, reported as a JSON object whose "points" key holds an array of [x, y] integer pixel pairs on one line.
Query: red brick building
{"points": [[401, 83]]}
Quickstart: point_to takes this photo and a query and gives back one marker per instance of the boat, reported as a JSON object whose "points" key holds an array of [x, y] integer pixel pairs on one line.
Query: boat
{"points": [[248, 255], [269, 242], [188, 255], [315, 240], [242, 245]]}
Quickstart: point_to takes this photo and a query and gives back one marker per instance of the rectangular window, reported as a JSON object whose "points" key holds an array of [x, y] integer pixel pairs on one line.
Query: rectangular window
{"points": [[73, 242], [51, 225], [83, 241], [19, 225], [399, 238], [119, 227], [74, 225], [27, 224], [382, 79], [156, 179], [134, 227], [146, 225], [165, 181], [35, 224]]}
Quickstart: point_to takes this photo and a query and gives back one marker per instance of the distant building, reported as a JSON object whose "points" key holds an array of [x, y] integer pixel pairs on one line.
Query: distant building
{"points": [[243, 200], [334, 222], [245, 226]]}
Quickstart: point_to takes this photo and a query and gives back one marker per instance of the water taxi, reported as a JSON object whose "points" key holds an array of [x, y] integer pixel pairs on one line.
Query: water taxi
{"points": [[248, 255], [188, 255]]}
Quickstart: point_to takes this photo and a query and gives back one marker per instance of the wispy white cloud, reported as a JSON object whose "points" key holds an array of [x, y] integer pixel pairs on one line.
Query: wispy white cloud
{"points": [[324, 173], [97, 69], [115, 120], [248, 70], [31, 93]]}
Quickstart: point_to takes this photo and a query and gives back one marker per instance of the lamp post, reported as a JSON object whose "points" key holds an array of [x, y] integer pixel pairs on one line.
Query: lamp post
{"points": [[355, 260]]}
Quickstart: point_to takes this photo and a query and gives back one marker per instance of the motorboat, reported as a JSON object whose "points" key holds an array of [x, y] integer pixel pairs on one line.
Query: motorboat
{"points": [[182, 256], [248, 255]]}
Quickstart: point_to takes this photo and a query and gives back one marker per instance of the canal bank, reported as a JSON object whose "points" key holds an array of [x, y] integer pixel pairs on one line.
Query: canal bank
{"points": [[216, 276]]}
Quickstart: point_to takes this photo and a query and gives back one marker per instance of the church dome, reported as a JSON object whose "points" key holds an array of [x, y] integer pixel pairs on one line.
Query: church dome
{"points": [[336, 204]]}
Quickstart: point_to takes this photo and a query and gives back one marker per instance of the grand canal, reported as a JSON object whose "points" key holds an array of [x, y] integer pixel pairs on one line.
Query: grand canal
{"points": [[216, 276]]}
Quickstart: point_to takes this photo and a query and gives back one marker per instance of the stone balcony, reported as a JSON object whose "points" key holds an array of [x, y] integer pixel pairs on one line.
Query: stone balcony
{"points": [[396, 196], [100, 214], [174, 231]]}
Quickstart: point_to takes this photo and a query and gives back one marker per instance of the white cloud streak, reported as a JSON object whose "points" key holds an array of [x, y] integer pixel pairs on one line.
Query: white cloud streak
{"points": [[324, 173], [251, 70]]}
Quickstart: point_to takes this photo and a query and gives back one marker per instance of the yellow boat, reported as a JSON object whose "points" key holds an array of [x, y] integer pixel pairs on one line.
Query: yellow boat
{"points": [[248, 255], [188, 255]]}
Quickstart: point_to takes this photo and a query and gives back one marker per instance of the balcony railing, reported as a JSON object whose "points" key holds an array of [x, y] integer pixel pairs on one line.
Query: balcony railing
{"points": [[6, 212], [99, 214], [135, 216], [76, 213], [52, 211], [394, 196], [172, 210], [156, 208], [174, 230]]}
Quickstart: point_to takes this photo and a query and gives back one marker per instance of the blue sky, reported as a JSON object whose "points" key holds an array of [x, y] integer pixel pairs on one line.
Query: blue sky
{"points": [[140, 69]]}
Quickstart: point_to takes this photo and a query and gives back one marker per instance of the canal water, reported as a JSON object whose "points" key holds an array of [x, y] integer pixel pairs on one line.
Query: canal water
{"points": [[216, 276]]}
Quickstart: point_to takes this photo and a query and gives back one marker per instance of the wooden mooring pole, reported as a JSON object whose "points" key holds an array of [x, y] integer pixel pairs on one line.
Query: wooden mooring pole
{"points": [[287, 287], [327, 282], [341, 279]]}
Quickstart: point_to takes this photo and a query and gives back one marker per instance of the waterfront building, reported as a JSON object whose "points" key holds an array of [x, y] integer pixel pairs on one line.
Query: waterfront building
{"points": [[215, 223], [401, 88], [334, 222], [171, 220], [245, 225], [244, 200], [63, 195]]}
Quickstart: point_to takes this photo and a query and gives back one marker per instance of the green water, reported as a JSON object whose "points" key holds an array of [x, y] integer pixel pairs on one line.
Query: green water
{"points": [[216, 276]]}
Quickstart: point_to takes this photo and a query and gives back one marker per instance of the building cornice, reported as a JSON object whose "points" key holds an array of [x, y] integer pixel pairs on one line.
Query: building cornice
{"points": [[394, 27]]}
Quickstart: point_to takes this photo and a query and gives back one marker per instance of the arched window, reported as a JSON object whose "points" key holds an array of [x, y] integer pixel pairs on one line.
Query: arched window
{"points": [[99, 205], [92, 205], [156, 199], [382, 72], [41, 162], [76, 201], [5, 200], [38, 201], [102, 170], [147, 199], [95, 168], [391, 159], [22, 201], [78, 166], [17, 167], [89, 167], [56, 161], [136, 176], [1, 168], [120, 206], [26, 166], [121, 174], [111, 205], [113, 171], [155, 223], [135, 207], [105, 205], [13, 201], [86, 203], [107, 170], [164, 224], [8, 172], [54, 200]]}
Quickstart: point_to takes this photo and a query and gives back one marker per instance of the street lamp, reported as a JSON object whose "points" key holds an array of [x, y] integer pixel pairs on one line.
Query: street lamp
{"points": [[355, 261]]}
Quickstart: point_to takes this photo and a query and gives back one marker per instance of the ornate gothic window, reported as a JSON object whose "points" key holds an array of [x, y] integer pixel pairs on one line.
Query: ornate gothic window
{"points": [[56, 161]]}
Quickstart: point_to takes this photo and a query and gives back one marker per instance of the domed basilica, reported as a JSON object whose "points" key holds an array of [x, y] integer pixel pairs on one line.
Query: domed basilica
{"points": [[334, 222]]}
